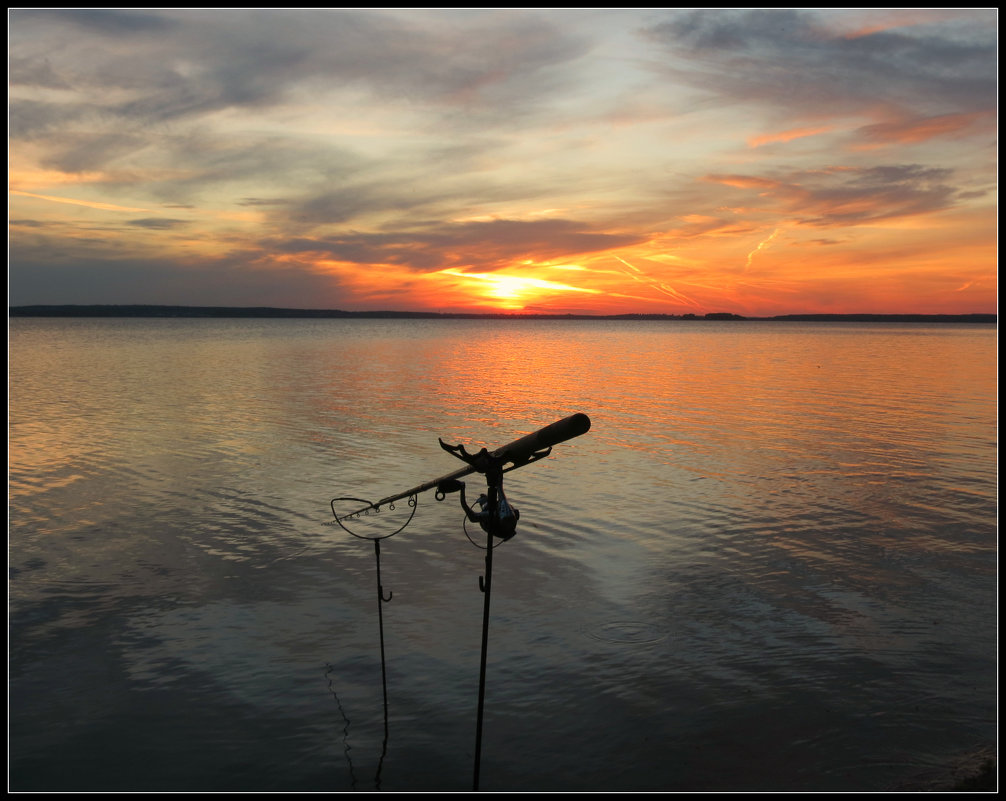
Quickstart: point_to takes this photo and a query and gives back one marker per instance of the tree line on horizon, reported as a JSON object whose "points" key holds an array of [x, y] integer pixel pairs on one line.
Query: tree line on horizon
{"points": [[139, 310]]}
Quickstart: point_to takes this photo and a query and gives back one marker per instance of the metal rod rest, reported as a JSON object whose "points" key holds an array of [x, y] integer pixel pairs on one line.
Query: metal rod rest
{"points": [[486, 587], [497, 517]]}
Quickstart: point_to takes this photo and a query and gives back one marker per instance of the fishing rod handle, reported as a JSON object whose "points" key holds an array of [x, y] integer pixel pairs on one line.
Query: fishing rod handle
{"points": [[521, 450]]}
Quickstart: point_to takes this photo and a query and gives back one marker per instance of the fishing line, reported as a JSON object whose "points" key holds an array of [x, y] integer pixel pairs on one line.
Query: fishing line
{"points": [[345, 729], [345, 737], [464, 527]]}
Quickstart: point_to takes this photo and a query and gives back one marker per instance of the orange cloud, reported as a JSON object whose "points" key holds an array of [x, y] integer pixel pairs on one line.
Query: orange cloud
{"points": [[922, 129], [787, 136], [744, 181]]}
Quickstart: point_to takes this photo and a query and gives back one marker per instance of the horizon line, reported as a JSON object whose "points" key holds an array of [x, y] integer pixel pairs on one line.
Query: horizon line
{"points": [[165, 310]]}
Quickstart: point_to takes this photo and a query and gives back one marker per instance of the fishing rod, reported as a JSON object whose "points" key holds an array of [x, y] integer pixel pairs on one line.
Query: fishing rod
{"points": [[520, 452], [495, 516]]}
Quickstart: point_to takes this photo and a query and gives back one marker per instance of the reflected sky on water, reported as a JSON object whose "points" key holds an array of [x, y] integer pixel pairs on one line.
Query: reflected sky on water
{"points": [[770, 564]]}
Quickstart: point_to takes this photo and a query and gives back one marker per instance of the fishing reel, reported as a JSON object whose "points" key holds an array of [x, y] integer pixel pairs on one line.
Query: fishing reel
{"points": [[495, 515], [500, 522]]}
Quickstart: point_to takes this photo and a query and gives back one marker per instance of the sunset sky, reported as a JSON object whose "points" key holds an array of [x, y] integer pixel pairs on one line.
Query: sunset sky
{"points": [[759, 162]]}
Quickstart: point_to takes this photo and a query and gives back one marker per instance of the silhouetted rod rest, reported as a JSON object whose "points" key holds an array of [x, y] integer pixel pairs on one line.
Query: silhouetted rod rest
{"points": [[520, 452]]}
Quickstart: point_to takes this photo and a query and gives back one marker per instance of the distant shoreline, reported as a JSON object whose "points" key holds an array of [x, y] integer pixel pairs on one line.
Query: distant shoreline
{"points": [[271, 312]]}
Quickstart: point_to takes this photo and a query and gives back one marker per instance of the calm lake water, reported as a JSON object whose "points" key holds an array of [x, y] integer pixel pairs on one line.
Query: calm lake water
{"points": [[769, 565]]}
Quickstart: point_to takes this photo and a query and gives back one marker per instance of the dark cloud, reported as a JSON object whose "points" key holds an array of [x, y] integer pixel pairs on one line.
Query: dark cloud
{"points": [[754, 31], [878, 193], [111, 22], [179, 167], [848, 196], [28, 119], [37, 72], [405, 192], [212, 160], [83, 152], [263, 201], [75, 279], [792, 59], [337, 206], [94, 267], [482, 246], [158, 223]]}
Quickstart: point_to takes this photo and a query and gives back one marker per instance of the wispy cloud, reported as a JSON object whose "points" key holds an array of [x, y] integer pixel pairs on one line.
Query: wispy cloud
{"points": [[91, 204]]}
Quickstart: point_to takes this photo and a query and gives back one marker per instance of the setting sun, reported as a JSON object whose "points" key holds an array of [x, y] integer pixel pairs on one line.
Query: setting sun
{"points": [[514, 291]]}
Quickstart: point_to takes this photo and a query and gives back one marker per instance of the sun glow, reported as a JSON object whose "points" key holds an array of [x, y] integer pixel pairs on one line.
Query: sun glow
{"points": [[515, 290]]}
